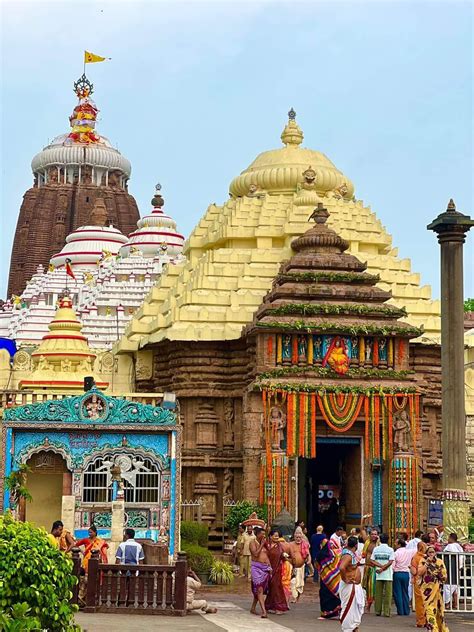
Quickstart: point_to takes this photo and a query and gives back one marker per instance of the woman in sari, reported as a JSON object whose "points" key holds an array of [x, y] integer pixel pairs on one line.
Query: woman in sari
{"points": [[368, 580], [327, 562], [92, 543], [419, 605], [432, 575], [275, 601]]}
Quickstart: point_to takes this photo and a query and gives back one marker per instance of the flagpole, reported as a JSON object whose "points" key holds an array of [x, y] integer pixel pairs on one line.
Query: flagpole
{"points": [[84, 62]]}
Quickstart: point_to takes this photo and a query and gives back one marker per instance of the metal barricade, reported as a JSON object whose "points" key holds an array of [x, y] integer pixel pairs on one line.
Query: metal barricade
{"points": [[458, 590]]}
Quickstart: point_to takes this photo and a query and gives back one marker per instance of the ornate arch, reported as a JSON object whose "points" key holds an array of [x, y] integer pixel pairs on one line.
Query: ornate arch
{"points": [[29, 451], [107, 449]]}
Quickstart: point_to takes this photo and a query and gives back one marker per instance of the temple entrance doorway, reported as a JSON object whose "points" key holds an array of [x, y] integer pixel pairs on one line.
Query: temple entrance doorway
{"points": [[47, 481], [330, 486]]}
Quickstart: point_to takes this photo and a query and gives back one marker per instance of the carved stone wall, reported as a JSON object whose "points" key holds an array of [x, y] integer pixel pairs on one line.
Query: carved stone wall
{"points": [[49, 213]]}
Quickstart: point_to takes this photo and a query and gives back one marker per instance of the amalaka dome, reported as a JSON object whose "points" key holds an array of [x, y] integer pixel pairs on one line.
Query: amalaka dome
{"points": [[156, 233], [234, 252], [70, 174]]}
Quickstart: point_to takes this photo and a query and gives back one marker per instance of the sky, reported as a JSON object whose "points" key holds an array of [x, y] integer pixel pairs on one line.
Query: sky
{"points": [[196, 90]]}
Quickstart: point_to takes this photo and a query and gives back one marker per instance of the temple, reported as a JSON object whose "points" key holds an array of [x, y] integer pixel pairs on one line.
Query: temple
{"points": [[69, 175]]}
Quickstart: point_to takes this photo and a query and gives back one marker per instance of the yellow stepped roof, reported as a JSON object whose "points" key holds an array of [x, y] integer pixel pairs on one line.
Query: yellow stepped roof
{"points": [[236, 249], [64, 357]]}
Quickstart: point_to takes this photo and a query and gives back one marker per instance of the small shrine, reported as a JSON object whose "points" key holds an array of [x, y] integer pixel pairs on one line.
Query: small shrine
{"points": [[91, 455], [336, 389]]}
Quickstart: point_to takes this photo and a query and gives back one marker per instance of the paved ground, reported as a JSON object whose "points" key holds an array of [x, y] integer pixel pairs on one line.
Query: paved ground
{"points": [[233, 616]]}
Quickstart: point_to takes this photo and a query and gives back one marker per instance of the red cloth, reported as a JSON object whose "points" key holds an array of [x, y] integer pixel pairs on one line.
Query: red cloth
{"points": [[276, 599]]}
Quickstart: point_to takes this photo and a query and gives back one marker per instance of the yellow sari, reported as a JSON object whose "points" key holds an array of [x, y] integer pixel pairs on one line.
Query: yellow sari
{"points": [[431, 589]]}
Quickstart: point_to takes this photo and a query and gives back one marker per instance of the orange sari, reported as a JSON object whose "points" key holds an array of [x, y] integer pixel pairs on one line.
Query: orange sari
{"points": [[97, 544]]}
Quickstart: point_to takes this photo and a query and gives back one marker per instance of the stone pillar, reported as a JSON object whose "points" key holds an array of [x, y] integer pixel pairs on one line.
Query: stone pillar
{"points": [[451, 227], [68, 507]]}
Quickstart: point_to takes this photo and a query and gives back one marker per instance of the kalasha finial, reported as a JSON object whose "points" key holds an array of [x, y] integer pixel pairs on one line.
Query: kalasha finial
{"points": [[157, 201], [83, 87], [157, 186], [320, 214], [451, 206], [292, 115]]}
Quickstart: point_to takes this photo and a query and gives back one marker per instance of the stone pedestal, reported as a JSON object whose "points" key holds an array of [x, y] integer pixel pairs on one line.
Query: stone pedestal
{"points": [[206, 488], [118, 520], [68, 505], [206, 423], [451, 228]]}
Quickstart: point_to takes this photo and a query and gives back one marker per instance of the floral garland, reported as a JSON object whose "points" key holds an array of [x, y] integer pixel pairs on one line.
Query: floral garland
{"points": [[357, 372], [351, 329], [340, 410], [310, 309], [274, 483], [404, 495], [342, 277], [333, 388]]}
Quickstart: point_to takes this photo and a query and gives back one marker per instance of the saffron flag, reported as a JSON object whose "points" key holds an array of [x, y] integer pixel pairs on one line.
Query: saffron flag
{"points": [[69, 271], [90, 58]]}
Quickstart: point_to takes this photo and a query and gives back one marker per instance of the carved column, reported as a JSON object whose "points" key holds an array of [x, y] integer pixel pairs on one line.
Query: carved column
{"points": [[451, 228], [206, 424]]}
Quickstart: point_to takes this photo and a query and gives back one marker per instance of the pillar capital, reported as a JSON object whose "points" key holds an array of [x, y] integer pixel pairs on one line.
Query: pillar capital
{"points": [[451, 225]]}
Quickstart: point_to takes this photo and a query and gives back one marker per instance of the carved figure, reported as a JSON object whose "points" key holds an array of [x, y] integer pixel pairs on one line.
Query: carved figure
{"points": [[227, 484], [255, 191], [302, 344], [340, 191], [228, 422], [166, 488], [43, 364], [336, 356], [402, 439], [286, 348], [318, 347], [309, 178], [165, 516], [383, 350], [277, 425], [85, 365], [368, 350], [66, 365], [88, 278], [94, 407], [106, 466], [163, 535], [355, 348], [128, 474]]}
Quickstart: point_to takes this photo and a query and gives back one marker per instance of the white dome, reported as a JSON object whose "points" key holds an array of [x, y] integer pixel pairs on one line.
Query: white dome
{"points": [[156, 234], [85, 245], [64, 152]]}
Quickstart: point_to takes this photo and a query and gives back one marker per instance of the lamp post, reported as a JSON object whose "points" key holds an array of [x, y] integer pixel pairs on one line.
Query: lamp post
{"points": [[451, 228]]}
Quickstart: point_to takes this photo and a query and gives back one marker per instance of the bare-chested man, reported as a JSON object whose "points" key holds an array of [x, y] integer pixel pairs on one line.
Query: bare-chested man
{"points": [[351, 592], [260, 571], [368, 583]]}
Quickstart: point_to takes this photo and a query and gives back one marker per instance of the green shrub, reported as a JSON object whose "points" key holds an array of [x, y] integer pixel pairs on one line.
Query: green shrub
{"points": [[199, 558], [34, 572], [18, 619], [221, 572], [194, 532], [240, 512]]}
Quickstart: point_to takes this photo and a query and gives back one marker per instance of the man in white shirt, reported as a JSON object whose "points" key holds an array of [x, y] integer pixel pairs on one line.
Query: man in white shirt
{"points": [[129, 551], [454, 564], [193, 584], [413, 543], [382, 558], [336, 539]]}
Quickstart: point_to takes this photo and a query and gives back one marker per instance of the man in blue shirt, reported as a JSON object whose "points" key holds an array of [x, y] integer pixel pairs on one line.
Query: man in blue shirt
{"points": [[315, 543], [129, 551], [382, 558]]}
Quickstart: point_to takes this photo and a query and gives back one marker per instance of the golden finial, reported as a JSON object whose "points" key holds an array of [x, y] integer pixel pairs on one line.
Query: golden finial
{"points": [[451, 206], [292, 134]]}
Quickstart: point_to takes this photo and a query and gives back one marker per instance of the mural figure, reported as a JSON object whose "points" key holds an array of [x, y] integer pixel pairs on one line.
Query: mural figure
{"points": [[163, 535], [318, 348], [165, 516], [286, 349], [336, 356], [368, 350], [166, 488], [383, 350], [402, 432], [355, 348], [277, 425], [227, 484], [94, 407], [302, 346]]}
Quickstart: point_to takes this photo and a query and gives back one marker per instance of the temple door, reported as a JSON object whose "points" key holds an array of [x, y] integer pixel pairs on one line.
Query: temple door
{"points": [[45, 483]]}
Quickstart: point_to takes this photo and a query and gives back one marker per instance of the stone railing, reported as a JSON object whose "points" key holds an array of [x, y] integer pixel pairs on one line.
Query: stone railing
{"points": [[10, 398]]}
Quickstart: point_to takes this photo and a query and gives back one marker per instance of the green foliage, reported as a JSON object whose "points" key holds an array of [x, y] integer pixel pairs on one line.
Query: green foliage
{"points": [[34, 572], [221, 572], [469, 305], [354, 330], [194, 533], [356, 372], [240, 512], [310, 309], [18, 619], [325, 277], [15, 483], [337, 388], [199, 558]]}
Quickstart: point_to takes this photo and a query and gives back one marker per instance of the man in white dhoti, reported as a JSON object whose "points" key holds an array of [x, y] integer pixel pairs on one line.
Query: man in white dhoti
{"points": [[351, 592]]}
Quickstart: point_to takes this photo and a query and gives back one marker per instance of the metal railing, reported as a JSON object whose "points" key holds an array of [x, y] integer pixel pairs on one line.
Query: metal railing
{"points": [[191, 510], [10, 398], [458, 591]]}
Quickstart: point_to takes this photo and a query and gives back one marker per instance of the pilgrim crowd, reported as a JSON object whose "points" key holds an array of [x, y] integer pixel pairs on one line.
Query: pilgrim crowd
{"points": [[357, 573]]}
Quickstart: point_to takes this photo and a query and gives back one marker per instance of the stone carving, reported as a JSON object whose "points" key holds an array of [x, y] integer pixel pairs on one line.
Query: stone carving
{"points": [[402, 439], [66, 365], [206, 489], [70, 410], [166, 488], [206, 423], [456, 515], [309, 178], [136, 518], [102, 519], [368, 350], [255, 191], [163, 535], [227, 487], [302, 348], [94, 407], [340, 191], [383, 350], [22, 361], [277, 426], [144, 365], [229, 422], [286, 349]]}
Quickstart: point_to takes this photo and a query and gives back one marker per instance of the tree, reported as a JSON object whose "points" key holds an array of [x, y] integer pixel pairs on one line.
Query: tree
{"points": [[469, 305], [15, 482], [240, 512], [34, 572]]}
